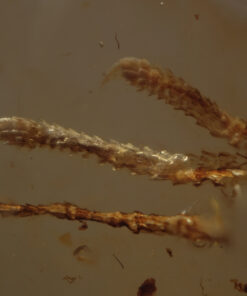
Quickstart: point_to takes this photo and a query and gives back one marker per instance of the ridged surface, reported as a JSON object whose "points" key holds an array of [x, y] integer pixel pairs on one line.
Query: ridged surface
{"points": [[161, 165], [176, 92]]}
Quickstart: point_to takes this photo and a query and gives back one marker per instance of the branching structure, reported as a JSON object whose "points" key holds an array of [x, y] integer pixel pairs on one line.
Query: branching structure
{"points": [[162, 165], [176, 92], [178, 168]]}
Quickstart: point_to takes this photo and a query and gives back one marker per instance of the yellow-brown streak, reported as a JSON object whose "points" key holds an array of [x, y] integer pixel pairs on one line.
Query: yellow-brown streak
{"points": [[194, 228]]}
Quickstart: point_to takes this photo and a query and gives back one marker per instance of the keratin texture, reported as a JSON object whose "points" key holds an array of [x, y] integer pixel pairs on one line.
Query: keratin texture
{"points": [[176, 92], [161, 165]]}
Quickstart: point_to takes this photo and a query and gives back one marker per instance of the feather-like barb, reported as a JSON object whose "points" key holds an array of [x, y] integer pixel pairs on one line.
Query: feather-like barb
{"points": [[178, 168], [176, 92]]}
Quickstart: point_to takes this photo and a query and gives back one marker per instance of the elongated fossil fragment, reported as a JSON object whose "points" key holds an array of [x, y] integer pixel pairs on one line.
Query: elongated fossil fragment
{"points": [[162, 165], [194, 228], [176, 92]]}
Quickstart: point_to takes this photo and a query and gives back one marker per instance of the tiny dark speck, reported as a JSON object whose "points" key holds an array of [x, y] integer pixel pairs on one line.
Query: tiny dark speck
{"points": [[196, 16], [169, 252]]}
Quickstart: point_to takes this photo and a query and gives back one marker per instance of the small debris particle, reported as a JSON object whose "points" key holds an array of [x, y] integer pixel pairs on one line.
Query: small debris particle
{"points": [[169, 252], [147, 288], [83, 225], [239, 286], [81, 253], [79, 249], [117, 41], [66, 239], [101, 44], [196, 16], [69, 279], [118, 260], [161, 3]]}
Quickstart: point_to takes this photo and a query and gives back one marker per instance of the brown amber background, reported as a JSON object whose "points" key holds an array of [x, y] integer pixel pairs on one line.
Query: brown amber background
{"points": [[52, 58]]}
